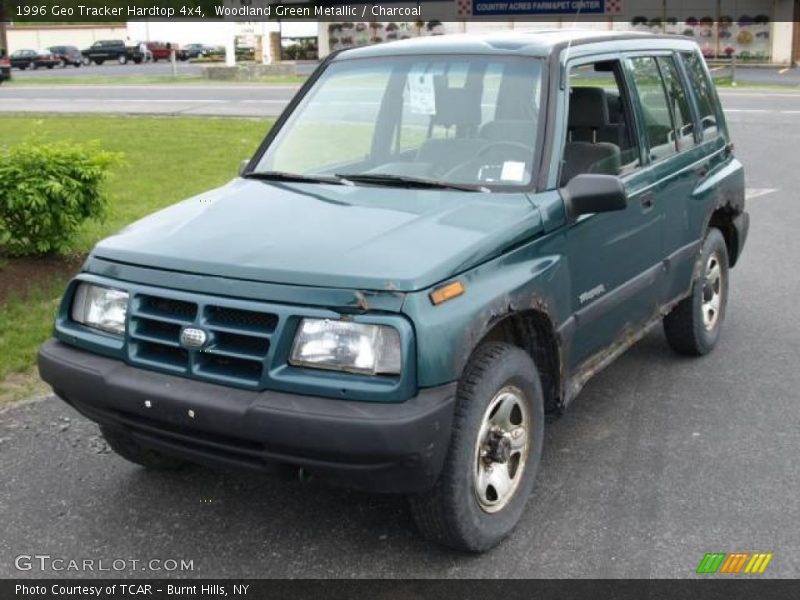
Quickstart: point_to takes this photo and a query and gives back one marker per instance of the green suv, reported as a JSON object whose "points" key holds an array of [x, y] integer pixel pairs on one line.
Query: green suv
{"points": [[439, 242]]}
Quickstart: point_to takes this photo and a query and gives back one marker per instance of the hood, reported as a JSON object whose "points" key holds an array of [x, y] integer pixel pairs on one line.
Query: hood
{"points": [[357, 237]]}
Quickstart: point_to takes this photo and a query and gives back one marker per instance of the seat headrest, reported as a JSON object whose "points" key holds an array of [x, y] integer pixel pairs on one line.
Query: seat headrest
{"points": [[588, 107], [456, 106]]}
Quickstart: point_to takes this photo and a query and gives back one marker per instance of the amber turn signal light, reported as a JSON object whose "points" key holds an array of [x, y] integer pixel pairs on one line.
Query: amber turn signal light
{"points": [[447, 292]]}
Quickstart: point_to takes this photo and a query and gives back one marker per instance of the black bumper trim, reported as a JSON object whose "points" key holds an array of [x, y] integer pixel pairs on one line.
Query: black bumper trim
{"points": [[742, 224], [374, 446]]}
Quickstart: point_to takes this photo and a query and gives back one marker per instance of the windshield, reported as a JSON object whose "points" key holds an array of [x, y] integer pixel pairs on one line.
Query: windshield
{"points": [[460, 120]]}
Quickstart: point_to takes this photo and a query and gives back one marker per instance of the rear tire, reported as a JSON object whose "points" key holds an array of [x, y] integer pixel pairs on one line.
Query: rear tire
{"points": [[129, 449], [493, 456], [693, 327], [122, 59]]}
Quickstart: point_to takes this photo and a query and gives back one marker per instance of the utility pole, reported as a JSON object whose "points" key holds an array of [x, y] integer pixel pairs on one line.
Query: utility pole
{"points": [[3, 35]]}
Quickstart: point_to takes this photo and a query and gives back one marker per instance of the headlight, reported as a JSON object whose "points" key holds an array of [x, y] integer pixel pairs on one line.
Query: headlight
{"points": [[100, 307], [347, 346]]}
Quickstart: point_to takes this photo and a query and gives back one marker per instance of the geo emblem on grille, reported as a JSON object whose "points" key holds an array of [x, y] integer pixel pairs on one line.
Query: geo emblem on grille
{"points": [[191, 337]]}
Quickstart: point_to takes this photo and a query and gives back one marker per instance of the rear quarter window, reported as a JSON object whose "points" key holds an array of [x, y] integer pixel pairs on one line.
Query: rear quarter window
{"points": [[704, 93]]}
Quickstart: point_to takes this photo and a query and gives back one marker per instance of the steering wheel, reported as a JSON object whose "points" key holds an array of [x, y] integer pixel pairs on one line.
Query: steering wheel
{"points": [[494, 145], [470, 169]]}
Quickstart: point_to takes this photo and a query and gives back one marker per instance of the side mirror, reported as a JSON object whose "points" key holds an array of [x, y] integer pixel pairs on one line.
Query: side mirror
{"points": [[243, 166], [590, 193]]}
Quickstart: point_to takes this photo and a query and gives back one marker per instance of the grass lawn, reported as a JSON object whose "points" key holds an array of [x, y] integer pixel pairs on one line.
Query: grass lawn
{"points": [[167, 159]]}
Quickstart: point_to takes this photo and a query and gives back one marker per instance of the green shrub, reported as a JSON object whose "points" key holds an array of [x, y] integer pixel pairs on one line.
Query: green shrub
{"points": [[47, 190]]}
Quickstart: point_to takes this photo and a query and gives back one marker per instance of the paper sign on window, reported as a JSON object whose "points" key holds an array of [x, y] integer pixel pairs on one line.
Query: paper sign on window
{"points": [[421, 93]]}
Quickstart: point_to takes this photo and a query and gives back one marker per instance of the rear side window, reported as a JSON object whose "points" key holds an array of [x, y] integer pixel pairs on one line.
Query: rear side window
{"points": [[703, 92], [679, 103], [655, 107]]}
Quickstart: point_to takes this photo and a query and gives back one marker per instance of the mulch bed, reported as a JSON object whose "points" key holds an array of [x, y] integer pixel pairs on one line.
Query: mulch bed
{"points": [[18, 276]]}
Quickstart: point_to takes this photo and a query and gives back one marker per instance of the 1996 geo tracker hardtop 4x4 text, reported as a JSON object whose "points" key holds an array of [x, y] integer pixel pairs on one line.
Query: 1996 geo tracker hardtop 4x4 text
{"points": [[440, 241]]}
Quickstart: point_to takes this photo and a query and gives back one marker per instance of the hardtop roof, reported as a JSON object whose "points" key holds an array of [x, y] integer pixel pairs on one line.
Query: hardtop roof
{"points": [[532, 43]]}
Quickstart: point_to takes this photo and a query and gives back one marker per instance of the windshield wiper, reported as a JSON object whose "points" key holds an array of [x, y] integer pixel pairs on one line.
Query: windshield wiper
{"points": [[406, 181], [293, 177]]}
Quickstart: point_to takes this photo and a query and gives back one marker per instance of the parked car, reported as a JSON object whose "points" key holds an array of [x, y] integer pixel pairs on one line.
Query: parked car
{"points": [[245, 53], [198, 50], [5, 66], [396, 307], [163, 51], [33, 59], [67, 55], [104, 50]]}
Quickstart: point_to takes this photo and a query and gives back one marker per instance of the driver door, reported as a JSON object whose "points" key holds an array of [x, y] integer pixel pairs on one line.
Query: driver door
{"points": [[614, 257]]}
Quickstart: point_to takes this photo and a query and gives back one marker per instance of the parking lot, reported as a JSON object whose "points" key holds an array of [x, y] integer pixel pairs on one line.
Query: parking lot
{"points": [[660, 460]]}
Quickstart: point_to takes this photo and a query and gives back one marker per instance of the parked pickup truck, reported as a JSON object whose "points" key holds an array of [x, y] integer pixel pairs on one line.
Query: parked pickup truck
{"points": [[393, 295], [104, 50]]}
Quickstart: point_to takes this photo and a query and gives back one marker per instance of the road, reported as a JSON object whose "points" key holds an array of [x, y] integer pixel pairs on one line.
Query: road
{"points": [[227, 100], [660, 459], [253, 100]]}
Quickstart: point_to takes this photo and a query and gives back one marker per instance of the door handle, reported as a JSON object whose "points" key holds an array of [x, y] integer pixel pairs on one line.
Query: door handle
{"points": [[648, 203]]}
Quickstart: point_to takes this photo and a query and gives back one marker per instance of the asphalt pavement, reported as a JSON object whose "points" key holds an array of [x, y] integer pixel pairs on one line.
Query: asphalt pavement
{"points": [[265, 101], [660, 460], [224, 100]]}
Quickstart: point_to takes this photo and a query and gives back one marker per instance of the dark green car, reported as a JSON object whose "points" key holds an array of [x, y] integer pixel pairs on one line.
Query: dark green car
{"points": [[437, 245]]}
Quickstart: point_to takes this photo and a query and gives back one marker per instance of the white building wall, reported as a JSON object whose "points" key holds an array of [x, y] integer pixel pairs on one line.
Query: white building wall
{"points": [[41, 37]]}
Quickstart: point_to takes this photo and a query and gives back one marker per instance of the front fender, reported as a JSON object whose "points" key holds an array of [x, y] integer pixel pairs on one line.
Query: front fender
{"points": [[524, 279]]}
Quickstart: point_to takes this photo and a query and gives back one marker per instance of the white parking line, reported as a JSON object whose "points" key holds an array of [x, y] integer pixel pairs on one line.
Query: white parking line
{"points": [[263, 101], [751, 193]]}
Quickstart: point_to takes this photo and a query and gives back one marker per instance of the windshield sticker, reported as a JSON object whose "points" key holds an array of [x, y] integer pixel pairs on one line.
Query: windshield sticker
{"points": [[513, 171], [422, 95]]}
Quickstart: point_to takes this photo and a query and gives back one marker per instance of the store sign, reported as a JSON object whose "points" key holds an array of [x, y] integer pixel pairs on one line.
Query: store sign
{"points": [[492, 8]]}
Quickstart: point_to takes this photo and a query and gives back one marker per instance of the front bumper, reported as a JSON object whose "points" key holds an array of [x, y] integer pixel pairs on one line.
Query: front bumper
{"points": [[394, 447]]}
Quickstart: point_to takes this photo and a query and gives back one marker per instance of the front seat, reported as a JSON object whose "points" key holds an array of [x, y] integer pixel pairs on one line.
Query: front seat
{"points": [[585, 157], [588, 122]]}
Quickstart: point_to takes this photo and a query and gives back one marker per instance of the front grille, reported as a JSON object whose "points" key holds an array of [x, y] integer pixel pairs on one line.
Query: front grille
{"points": [[236, 350]]}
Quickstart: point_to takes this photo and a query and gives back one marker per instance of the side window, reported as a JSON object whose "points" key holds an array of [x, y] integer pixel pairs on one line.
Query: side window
{"points": [[679, 103], [600, 136], [703, 92], [658, 123]]}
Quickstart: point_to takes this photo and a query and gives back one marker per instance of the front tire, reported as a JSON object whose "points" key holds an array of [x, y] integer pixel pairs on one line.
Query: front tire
{"points": [[129, 449], [693, 327], [494, 452]]}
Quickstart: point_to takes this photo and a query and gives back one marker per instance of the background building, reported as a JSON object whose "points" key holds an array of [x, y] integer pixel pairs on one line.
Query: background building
{"points": [[758, 31]]}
